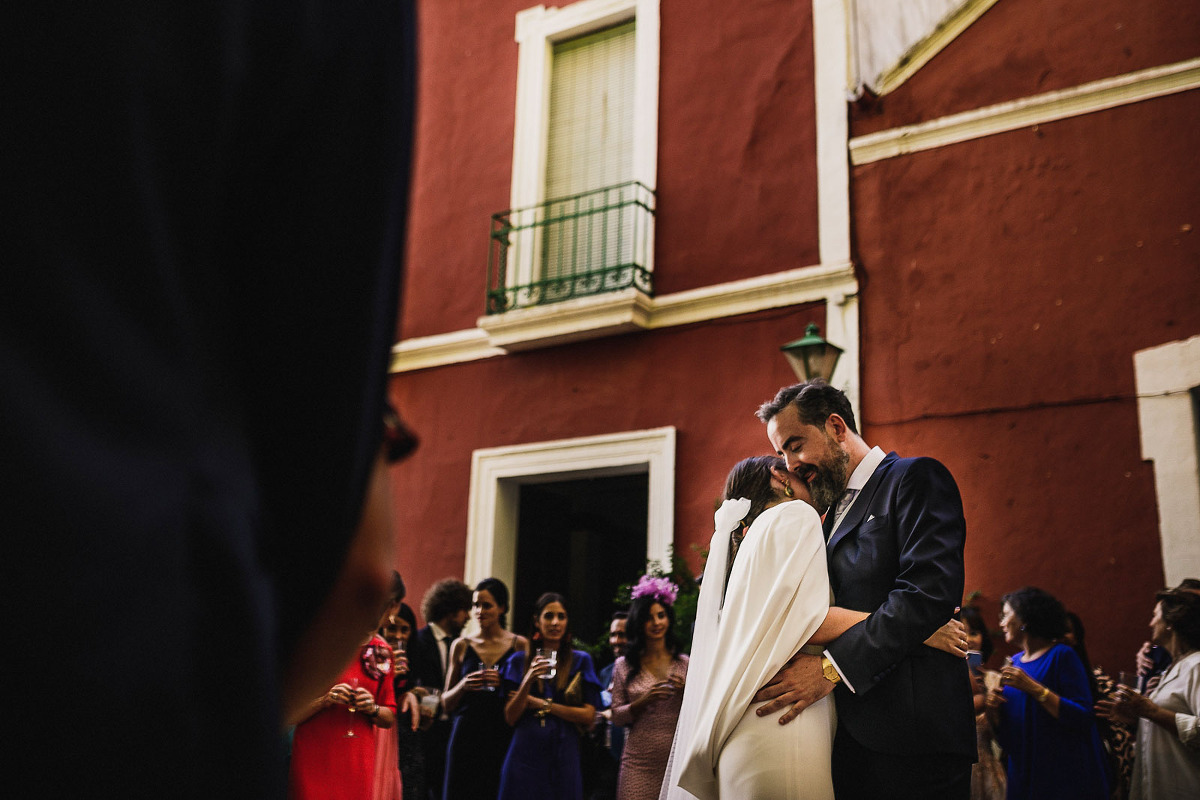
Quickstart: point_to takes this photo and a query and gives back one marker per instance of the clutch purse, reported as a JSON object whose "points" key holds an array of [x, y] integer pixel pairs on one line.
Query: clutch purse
{"points": [[573, 696]]}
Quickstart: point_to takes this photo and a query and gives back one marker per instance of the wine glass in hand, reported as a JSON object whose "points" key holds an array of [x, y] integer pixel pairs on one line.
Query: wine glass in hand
{"points": [[351, 707], [400, 657]]}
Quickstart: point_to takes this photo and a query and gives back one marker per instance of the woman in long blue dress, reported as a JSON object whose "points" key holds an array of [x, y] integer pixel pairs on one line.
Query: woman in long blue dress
{"points": [[547, 704], [1043, 710], [480, 735]]}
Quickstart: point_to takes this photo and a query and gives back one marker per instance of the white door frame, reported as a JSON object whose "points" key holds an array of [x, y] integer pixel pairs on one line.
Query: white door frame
{"points": [[498, 473]]}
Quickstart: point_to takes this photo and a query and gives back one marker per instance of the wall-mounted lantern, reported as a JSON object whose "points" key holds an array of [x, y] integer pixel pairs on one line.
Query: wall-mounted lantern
{"points": [[811, 356]]}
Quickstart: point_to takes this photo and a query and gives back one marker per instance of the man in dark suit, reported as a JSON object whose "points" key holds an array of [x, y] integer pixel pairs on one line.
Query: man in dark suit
{"points": [[895, 532], [445, 608]]}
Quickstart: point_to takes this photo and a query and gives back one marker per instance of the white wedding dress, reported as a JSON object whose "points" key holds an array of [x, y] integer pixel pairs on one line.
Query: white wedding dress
{"points": [[776, 598]]}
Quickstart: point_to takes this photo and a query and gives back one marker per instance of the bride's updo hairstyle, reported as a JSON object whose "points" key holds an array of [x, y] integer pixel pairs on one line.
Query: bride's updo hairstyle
{"points": [[751, 479]]}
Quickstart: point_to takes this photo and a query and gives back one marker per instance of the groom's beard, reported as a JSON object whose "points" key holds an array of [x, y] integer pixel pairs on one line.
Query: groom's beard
{"points": [[831, 476]]}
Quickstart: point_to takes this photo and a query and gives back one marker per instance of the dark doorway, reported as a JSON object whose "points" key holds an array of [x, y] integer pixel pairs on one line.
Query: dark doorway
{"points": [[583, 539]]}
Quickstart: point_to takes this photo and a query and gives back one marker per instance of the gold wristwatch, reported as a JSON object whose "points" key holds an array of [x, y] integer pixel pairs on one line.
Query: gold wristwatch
{"points": [[830, 673]]}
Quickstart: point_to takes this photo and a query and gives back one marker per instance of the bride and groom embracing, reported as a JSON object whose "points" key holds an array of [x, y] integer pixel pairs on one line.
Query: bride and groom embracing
{"points": [[900, 723]]}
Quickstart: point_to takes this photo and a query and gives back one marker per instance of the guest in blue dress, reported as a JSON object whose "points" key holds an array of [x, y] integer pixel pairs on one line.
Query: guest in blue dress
{"points": [[480, 735], [1043, 710], [548, 703]]}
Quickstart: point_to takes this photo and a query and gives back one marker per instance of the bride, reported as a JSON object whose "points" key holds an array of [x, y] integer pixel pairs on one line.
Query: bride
{"points": [[757, 610]]}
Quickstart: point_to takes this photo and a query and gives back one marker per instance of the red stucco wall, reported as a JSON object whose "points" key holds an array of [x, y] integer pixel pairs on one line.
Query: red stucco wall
{"points": [[462, 160], [1007, 283], [737, 142]]}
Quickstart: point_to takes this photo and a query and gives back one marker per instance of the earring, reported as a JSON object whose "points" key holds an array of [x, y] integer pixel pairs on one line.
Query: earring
{"points": [[787, 490]]}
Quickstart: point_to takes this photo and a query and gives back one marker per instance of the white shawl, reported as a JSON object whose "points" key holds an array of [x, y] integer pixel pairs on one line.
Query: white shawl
{"points": [[777, 597]]}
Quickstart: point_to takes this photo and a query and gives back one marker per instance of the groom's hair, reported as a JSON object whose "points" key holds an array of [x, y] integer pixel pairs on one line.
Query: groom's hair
{"points": [[815, 400]]}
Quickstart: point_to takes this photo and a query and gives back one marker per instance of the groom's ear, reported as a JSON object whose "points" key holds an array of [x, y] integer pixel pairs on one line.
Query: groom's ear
{"points": [[836, 427]]}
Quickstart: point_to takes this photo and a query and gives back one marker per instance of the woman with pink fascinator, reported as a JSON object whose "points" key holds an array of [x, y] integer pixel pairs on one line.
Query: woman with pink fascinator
{"points": [[648, 688]]}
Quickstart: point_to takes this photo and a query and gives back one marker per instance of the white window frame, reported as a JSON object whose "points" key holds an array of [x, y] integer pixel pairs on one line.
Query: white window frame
{"points": [[498, 473], [1166, 376], [538, 30]]}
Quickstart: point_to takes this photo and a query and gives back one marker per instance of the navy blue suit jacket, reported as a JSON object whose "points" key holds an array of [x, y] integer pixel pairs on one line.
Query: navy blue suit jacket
{"points": [[898, 554], [426, 660]]}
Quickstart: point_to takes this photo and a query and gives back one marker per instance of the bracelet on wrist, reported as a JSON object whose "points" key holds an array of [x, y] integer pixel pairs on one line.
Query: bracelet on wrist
{"points": [[1044, 694]]}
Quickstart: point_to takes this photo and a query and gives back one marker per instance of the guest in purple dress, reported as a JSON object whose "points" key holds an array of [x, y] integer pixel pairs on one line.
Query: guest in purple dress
{"points": [[550, 698]]}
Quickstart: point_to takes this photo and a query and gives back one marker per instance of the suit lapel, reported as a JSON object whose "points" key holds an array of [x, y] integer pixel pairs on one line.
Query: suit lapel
{"points": [[862, 503]]}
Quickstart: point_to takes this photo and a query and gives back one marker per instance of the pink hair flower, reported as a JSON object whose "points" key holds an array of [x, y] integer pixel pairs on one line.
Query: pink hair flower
{"points": [[661, 589]]}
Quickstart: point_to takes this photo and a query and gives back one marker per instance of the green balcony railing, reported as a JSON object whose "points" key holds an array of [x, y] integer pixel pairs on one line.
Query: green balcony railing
{"points": [[569, 247]]}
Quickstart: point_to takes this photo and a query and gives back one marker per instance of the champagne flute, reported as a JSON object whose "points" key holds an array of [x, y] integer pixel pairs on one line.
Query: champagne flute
{"points": [[350, 734], [400, 657]]}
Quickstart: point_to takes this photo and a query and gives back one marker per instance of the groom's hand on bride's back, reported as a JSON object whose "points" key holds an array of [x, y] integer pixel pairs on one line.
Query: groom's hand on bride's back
{"points": [[798, 684]]}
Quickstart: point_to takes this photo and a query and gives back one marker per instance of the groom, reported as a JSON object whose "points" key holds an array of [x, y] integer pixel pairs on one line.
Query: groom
{"points": [[894, 531]]}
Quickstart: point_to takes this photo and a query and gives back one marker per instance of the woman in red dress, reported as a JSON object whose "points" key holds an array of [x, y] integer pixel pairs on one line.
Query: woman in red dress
{"points": [[333, 750]]}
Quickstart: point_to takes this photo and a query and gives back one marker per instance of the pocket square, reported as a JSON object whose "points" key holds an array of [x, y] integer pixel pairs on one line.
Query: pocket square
{"points": [[870, 517]]}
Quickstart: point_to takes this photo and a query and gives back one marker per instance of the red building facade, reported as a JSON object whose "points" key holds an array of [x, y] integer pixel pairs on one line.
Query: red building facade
{"points": [[994, 227]]}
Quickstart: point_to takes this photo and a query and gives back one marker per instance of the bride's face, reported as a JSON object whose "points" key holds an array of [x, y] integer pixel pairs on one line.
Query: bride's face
{"points": [[800, 489]]}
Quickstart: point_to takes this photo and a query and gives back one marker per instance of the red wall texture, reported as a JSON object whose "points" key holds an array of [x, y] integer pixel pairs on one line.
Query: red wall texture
{"points": [[1007, 283], [737, 187]]}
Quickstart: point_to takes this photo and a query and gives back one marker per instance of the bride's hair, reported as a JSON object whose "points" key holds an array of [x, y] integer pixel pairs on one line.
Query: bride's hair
{"points": [[635, 631], [751, 478]]}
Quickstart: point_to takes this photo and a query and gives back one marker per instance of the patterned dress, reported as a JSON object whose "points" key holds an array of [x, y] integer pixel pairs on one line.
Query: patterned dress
{"points": [[647, 738]]}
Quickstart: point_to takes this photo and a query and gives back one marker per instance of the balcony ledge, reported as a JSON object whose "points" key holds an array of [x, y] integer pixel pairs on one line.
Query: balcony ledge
{"points": [[621, 312], [570, 321]]}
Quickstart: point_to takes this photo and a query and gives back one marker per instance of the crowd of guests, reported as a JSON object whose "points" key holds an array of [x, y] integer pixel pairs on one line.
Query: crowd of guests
{"points": [[1050, 724], [434, 712], [437, 712]]}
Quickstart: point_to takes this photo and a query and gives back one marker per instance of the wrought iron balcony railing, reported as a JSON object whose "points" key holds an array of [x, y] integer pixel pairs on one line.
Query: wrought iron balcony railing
{"points": [[576, 246]]}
